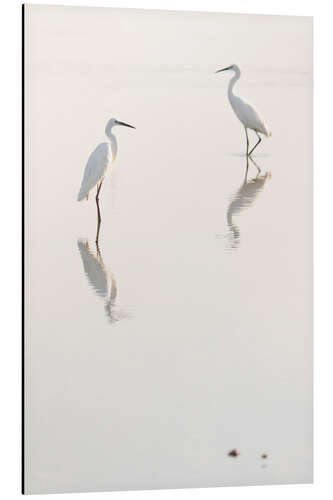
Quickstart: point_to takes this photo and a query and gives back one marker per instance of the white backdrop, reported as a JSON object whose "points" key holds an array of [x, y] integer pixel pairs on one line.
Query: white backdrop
{"points": [[10, 436]]}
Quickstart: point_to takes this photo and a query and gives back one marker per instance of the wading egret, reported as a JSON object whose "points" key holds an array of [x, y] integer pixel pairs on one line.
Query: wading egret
{"points": [[98, 163], [244, 111]]}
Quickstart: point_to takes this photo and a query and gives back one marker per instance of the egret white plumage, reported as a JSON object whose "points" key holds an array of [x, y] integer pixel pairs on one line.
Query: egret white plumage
{"points": [[244, 111], [98, 163]]}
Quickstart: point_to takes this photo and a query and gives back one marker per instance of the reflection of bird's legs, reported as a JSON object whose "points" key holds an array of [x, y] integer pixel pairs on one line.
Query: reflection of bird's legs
{"points": [[257, 166], [98, 210], [247, 142], [254, 147], [98, 252], [247, 169]]}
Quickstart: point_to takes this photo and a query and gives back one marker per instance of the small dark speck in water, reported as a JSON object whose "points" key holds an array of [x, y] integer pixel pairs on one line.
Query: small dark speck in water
{"points": [[233, 453]]}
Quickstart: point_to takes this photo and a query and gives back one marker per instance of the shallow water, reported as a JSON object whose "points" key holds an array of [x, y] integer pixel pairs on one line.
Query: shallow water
{"points": [[187, 331]]}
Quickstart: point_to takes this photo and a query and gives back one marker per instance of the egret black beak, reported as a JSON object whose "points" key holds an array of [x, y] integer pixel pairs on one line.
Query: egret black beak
{"points": [[124, 124], [224, 69]]}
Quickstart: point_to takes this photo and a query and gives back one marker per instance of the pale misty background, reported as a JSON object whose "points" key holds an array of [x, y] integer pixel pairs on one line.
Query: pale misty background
{"points": [[190, 332]]}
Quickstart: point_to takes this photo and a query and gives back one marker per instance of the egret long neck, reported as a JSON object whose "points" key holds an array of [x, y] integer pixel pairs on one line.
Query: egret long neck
{"points": [[231, 85], [114, 145]]}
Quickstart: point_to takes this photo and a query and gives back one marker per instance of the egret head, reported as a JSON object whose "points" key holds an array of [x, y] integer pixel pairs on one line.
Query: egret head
{"points": [[233, 67], [112, 122]]}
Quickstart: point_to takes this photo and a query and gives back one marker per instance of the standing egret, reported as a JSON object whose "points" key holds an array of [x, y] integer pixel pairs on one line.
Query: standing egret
{"points": [[98, 163], [244, 111]]}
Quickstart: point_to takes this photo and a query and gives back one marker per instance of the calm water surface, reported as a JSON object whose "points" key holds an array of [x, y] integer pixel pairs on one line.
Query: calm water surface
{"points": [[186, 332]]}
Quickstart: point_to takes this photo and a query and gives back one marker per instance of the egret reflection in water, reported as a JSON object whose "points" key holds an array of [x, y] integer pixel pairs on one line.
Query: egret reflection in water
{"points": [[100, 279], [243, 199]]}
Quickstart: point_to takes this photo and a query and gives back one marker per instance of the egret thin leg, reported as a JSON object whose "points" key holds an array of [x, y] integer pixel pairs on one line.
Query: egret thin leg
{"points": [[254, 147], [247, 142], [246, 113], [99, 219]]}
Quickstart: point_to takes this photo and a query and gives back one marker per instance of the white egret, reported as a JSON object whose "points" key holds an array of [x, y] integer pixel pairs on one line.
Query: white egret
{"points": [[246, 113], [98, 163]]}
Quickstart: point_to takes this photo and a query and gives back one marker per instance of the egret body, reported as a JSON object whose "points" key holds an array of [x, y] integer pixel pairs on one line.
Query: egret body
{"points": [[98, 163], [244, 111]]}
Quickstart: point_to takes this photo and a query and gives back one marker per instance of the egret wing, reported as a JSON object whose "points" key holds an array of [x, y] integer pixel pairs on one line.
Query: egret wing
{"points": [[95, 169], [249, 116]]}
